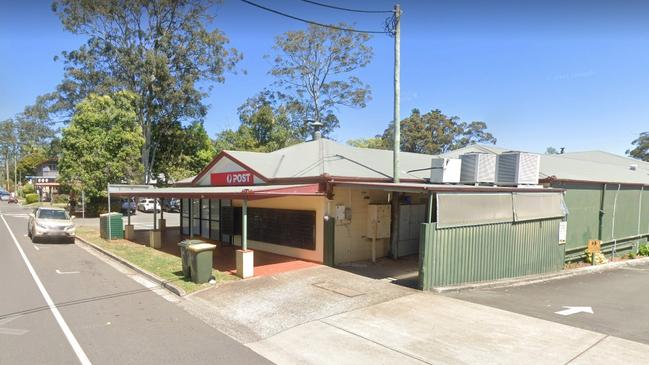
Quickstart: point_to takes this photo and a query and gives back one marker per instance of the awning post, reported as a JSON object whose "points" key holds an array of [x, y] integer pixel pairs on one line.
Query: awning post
{"points": [[244, 225], [155, 214], [128, 209], [245, 258], [110, 235]]}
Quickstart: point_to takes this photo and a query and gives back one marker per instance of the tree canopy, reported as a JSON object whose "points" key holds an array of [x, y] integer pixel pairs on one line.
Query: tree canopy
{"points": [[641, 149], [429, 133], [183, 151], [101, 144], [262, 129], [161, 50], [313, 70]]}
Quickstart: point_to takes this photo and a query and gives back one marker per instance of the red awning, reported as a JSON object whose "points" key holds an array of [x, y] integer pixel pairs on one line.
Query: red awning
{"points": [[219, 192]]}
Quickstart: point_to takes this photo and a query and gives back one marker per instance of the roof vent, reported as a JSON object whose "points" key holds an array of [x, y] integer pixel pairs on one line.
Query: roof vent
{"points": [[317, 126], [633, 167]]}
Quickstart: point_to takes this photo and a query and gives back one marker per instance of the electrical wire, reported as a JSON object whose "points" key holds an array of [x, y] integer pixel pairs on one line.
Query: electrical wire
{"points": [[315, 23], [348, 9]]}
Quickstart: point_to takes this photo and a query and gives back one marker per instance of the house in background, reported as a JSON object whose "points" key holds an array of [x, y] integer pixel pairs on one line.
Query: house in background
{"points": [[45, 178]]}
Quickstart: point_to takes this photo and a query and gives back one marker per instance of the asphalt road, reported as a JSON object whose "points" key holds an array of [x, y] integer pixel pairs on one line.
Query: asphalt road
{"points": [[619, 300], [96, 312]]}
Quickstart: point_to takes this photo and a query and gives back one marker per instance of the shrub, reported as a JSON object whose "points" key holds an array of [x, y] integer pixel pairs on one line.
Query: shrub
{"points": [[643, 250], [62, 198], [31, 198], [28, 189]]}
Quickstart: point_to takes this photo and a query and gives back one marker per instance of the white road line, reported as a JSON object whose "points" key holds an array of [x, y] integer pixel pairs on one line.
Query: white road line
{"points": [[81, 355], [66, 272]]}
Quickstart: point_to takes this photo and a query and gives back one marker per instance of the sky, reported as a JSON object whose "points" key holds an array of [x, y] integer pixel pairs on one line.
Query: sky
{"points": [[571, 74]]}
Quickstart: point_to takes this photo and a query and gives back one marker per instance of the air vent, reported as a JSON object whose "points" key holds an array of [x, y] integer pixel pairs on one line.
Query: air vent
{"points": [[517, 168], [478, 168], [445, 170]]}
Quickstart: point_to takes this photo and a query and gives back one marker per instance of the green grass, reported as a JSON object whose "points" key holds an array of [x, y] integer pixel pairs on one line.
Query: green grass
{"points": [[164, 265]]}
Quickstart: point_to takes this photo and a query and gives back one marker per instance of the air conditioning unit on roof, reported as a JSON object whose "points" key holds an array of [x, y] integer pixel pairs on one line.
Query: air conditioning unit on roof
{"points": [[445, 170], [517, 168], [478, 168]]}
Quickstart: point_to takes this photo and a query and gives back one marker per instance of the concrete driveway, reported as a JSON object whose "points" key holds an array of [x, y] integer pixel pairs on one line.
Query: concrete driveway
{"points": [[324, 315], [619, 300], [425, 328], [253, 309]]}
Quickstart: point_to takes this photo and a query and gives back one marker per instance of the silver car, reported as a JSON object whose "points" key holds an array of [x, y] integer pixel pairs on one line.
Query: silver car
{"points": [[51, 223]]}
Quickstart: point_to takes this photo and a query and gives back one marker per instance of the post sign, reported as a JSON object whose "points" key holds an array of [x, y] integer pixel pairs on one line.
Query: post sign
{"points": [[239, 178]]}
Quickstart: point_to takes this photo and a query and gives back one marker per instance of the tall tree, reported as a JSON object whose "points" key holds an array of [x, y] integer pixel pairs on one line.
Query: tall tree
{"points": [[162, 50], [102, 144], [263, 128], [435, 133], [183, 151], [376, 142], [8, 147], [313, 70], [641, 149]]}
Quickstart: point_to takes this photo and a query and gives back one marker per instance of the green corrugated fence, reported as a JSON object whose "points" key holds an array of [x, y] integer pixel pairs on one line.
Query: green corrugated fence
{"points": [[458, 255], [618, 215]]}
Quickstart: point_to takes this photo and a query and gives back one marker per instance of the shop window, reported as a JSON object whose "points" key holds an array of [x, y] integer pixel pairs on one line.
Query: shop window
{"points": [[184, 221], [215, 223], [293, 228]]}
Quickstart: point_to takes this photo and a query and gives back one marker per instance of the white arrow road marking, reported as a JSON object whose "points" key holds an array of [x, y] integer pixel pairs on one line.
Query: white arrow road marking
{"points": [[572, 310], [81, 355], [11, 331], [66, 272]]}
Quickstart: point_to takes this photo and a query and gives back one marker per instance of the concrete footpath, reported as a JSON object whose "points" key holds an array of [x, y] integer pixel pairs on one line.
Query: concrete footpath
{"points": [[425, 328]]}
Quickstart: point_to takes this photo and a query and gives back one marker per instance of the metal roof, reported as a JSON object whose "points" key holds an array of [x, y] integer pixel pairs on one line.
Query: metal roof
{"points": [[326, 157], [323, 157], [587, 166]]}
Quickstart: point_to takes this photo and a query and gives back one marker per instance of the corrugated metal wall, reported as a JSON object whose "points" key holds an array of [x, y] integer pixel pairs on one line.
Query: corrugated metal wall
{"points": [[457, 255], [624, 220]]}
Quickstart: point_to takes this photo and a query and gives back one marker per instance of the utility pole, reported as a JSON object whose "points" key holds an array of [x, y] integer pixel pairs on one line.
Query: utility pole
{"points": [[15, 174], [394, 201]]}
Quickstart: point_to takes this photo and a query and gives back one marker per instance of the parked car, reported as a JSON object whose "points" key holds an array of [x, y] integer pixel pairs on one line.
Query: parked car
{"points": [[4, 195], [129, 206], [148, 205], [51, 223], [171, 205]]}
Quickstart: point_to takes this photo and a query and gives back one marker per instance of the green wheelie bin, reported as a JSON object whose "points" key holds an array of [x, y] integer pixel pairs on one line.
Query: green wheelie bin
{"points": [[200, 262], [184, 255]]}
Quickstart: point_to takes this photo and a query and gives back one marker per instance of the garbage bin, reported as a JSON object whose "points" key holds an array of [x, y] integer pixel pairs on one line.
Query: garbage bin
{"points": [[184, 255], [114, 220], [200, 262]]}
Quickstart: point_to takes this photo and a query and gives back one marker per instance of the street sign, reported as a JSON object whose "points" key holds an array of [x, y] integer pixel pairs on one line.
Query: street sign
{"points": [[239, 178]]}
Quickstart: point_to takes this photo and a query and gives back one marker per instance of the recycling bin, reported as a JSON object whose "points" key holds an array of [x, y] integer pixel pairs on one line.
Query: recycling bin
{"points": [[200, 262], [184, 255]]}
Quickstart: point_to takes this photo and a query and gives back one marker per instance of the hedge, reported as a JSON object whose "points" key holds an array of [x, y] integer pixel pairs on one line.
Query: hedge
{"points": [[31, 198]]}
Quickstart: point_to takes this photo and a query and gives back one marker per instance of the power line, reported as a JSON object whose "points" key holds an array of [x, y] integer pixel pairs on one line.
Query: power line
{"points": [[347, 9], [315, 23]]}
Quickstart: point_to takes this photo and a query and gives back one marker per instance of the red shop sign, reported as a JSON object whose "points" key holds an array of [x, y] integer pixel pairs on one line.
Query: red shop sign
{"points": [[232, 178]]}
